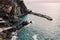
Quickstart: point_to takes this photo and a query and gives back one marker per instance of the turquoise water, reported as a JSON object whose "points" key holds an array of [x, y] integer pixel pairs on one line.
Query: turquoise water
{"points": [[34, 31], [27, 33], [41, 29]]}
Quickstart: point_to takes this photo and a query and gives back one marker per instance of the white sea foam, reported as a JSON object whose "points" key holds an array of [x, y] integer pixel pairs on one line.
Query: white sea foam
{"points": [[35, 37], [14, 36]]}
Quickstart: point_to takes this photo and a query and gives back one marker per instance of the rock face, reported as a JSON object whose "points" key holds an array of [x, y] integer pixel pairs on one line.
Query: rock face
{"points": [[18, 12]]}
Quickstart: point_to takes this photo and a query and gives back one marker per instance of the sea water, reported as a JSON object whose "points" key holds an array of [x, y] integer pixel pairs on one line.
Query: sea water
{"points": [[41, 28]]}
